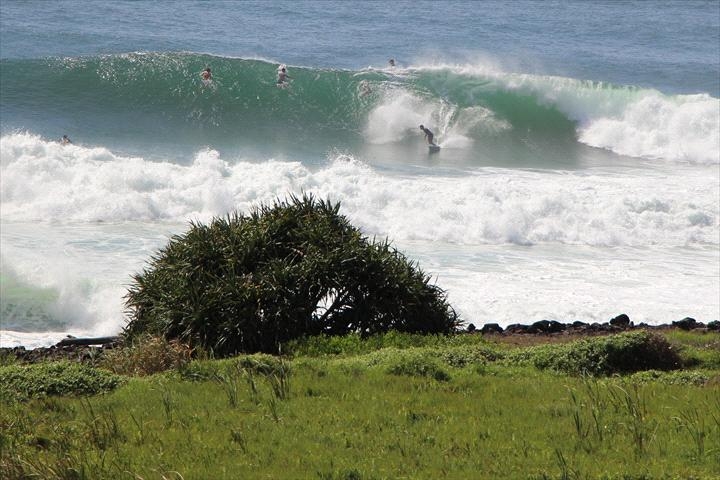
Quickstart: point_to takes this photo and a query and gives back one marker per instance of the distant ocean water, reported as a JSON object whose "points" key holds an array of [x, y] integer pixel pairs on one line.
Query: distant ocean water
{"points": [[579, 175]]}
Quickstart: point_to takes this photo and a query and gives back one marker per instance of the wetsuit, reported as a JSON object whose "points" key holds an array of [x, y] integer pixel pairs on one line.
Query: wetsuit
{"points": [[429, 135]]}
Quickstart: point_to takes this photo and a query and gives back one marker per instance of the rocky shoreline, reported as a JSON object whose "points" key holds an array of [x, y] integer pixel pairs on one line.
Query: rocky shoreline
{"points": [[82, 350], [90, 350], [617, 324]]}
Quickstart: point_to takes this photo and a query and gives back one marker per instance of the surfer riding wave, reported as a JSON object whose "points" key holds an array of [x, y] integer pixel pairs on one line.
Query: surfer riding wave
{"points": [[428, 135]]}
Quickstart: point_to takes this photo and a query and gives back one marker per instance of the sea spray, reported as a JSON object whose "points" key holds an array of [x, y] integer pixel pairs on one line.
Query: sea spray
{"points": [[48, 182]]}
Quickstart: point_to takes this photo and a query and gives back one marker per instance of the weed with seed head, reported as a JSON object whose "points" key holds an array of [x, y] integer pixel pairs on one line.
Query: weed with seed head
{"points": [[229, 384], [280, 381], [566, 472], [250, 378], [693, 423], [237, 437], [581, 430], [633, 403], [103, 429], [168, 404]]}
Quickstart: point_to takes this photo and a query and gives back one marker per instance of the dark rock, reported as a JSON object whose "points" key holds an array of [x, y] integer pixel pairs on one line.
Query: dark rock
{"points": [[686, 323], [517, 328], [548, 326], [621, 320], [491, 328], [74, 353], [556, 327], [541, 326]]}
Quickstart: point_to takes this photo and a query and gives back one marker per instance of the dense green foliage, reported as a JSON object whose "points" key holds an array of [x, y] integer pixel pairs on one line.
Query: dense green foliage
{"points": [[250, 283], [602, 355], [19, 382], [354, 344], [605, 355]]}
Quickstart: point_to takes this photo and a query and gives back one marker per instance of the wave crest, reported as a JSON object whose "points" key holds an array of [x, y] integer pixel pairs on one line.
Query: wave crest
{"points": [[160, 96]]}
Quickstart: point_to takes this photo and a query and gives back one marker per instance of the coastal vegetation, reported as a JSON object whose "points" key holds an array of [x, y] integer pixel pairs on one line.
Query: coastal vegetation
{"points": [[248, 283], [391, 405]]}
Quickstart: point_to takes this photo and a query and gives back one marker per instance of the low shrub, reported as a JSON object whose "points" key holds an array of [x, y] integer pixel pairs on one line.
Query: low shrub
{"points": [[418, 364], [607, 355], [462, 356], [679, 377], [257, 364], [250, 283], [355, 344], [147, 355], [20, 382], [700, 357], [263, 364]]}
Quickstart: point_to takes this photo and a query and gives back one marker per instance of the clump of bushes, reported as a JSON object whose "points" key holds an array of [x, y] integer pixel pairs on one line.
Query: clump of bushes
{"points": [[249, 283], [614, 354], [147, 355], [417, 364], [255, 364], [263, 364], [679, 377], [355, 344], [20, 382]]}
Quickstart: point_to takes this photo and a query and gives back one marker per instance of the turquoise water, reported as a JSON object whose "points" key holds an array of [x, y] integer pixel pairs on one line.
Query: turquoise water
{"points": [[579, 175]]}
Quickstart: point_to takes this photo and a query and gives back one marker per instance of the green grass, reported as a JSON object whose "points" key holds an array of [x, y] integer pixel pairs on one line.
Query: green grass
{"points": [[420, 408], [697, 348]]}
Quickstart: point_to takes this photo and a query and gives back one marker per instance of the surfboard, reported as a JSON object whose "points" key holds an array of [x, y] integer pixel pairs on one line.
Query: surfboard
{"points": [[433, 148]]}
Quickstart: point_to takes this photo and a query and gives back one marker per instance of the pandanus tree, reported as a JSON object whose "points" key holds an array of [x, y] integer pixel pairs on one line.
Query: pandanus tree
{"points": [[248, 283]]}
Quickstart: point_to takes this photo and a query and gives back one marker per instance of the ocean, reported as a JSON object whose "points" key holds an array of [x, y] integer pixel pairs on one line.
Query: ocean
{"points": [[578, 176]]}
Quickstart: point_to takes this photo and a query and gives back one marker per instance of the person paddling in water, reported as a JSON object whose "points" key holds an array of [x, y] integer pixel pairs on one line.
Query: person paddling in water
{"points": [[206, 74], [65, 140], [428, 135], [282, 77]]}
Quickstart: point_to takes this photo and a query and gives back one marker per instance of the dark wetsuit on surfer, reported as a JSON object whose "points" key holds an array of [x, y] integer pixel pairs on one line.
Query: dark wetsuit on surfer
{"points": [[428, 135]]}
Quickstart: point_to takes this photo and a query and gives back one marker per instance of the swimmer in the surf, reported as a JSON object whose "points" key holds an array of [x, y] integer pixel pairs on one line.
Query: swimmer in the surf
{"points": [[391, 62], [428, 135], [364, 88], [282, 77], [206, 75], [65, 140]]}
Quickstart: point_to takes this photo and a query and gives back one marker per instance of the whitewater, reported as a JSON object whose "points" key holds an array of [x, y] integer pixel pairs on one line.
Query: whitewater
{"points": [[553, 197]]}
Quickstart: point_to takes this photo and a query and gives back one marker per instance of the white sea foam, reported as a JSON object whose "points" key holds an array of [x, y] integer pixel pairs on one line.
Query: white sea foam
{"points": [[43, 181], [626, 120], [399, 114], [683, 128], [634, 122]]}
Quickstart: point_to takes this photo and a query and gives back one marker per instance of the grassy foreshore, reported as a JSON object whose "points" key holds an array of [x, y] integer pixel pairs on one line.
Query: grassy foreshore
{"points": [[394, 406]]}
